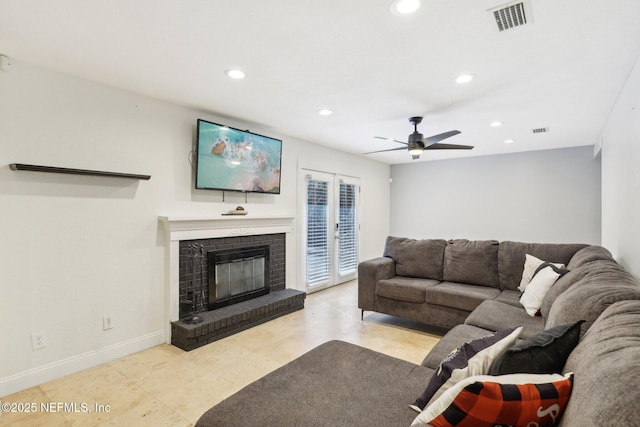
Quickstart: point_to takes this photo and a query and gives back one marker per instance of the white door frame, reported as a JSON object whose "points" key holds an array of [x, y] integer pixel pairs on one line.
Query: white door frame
{"points": [[334, 180]]}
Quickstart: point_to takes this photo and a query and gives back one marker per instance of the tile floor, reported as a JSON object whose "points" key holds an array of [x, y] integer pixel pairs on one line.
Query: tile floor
{"points": [[166, 386]]}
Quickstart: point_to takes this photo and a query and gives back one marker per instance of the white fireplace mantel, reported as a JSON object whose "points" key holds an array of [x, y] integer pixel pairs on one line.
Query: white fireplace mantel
{"points": [[179, 228], [189, 228]]}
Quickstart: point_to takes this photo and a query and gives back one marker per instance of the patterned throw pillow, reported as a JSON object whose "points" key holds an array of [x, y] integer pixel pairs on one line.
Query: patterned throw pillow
{"points": [[515, 400], [472, 358]]}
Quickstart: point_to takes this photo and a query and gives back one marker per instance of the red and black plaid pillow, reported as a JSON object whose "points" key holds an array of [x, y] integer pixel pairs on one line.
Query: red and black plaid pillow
{"points": [[515, 400]]}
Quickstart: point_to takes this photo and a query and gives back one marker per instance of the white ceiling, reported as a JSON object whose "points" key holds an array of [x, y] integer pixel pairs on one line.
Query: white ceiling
{"points": [[375, 69]]}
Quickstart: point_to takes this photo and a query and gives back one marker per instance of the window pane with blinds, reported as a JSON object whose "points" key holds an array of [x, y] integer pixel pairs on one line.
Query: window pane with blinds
{"points": [[317, 231], [348, 243]]}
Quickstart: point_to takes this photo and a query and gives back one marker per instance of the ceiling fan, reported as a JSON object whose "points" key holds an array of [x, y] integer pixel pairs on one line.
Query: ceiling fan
{"points": [[418, 143]]}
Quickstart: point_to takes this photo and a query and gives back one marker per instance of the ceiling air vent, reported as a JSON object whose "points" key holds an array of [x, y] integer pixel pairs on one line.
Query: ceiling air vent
{"points": [[540, 130], [511, 15]]}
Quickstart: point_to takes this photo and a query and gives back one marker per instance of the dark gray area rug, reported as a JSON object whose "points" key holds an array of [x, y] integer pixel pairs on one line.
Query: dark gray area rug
{"points": [[335, 384]]}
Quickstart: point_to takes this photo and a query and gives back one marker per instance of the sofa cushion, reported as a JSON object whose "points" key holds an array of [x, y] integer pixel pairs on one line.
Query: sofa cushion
{"points": [[405, 288], [472, 262], [459, 295], [496, 316], [511, 257], [507, 400], [607, 372], [589, 297], [571, 278], [589, 254], [507, 296], [544, 353], [416, 258], [471, 358]]}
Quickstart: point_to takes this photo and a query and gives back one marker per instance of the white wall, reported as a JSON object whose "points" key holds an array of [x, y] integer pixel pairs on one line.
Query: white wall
{"points": [[621, 176], [73, 249], [539, 196]]}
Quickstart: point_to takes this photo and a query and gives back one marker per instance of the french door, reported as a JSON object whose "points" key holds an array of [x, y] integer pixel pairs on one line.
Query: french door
{"points": [[331, 228]]}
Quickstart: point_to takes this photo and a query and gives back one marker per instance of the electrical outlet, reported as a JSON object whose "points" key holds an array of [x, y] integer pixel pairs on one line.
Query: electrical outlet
{"points": [[38, 340], [107, 323]]}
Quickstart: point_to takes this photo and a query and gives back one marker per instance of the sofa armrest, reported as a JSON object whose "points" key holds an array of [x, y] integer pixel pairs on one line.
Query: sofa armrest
{"points": [[369, 272]]}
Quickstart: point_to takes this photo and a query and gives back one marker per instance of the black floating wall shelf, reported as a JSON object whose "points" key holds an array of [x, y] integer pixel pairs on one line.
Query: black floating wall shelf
{"points": [[52, 169]]}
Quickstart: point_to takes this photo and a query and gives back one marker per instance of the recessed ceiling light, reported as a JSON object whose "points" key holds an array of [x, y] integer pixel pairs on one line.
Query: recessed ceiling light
{"points": [[509, 141], [464, 78], [325, 112], [495, 124], [235, 73], [404, 7]]}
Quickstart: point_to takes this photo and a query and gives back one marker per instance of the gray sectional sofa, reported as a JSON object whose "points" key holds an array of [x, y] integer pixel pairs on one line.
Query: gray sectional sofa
{"points": [[441, 282], [470, 288]]}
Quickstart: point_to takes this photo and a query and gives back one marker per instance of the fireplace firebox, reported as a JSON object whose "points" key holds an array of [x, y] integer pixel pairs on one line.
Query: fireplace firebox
{"points": [[237, 275]]}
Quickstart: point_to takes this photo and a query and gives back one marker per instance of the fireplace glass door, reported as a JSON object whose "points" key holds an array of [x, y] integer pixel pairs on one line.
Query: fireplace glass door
{"points": [[237, 275]]}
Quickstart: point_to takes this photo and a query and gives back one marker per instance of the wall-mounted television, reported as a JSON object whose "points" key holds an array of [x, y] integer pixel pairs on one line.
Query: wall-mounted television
{"points": [[231, 159]]}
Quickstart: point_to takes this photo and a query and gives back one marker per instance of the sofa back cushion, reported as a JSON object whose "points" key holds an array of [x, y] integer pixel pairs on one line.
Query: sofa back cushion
{"points": [[416, 258], [571, 278], [511, 257], [606, 368], [473, 262], [589, 254], [591, 295]]}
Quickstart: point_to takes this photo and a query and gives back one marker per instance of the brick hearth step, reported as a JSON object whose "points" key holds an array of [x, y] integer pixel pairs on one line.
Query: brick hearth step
{"points": [[229, 320]]}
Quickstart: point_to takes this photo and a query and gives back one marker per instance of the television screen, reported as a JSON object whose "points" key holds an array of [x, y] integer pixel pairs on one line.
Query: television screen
{"points": [[230, 159]]}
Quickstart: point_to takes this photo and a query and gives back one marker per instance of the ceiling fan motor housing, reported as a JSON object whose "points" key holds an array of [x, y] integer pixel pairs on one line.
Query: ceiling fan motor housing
{"points": [[415, 140]]}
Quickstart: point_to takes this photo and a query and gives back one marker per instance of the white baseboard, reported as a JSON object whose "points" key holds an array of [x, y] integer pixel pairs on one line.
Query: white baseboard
{"points": [[52, 371]]}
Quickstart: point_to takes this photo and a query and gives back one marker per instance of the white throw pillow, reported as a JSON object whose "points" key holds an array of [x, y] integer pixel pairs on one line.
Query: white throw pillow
{"points": [[531, 264], [535, 291]]}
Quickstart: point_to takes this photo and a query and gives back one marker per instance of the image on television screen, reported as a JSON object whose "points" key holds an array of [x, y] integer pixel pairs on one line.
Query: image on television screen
{"points": [[234, 160]]}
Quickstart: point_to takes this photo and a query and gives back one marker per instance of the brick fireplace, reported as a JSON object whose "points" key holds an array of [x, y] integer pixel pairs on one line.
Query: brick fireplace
{"points": [[197, 314]]}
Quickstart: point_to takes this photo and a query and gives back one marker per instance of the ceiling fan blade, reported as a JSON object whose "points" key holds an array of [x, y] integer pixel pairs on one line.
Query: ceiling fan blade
{"points": [[390, 140], [391, 149], [437, 138], [448, 147]]}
